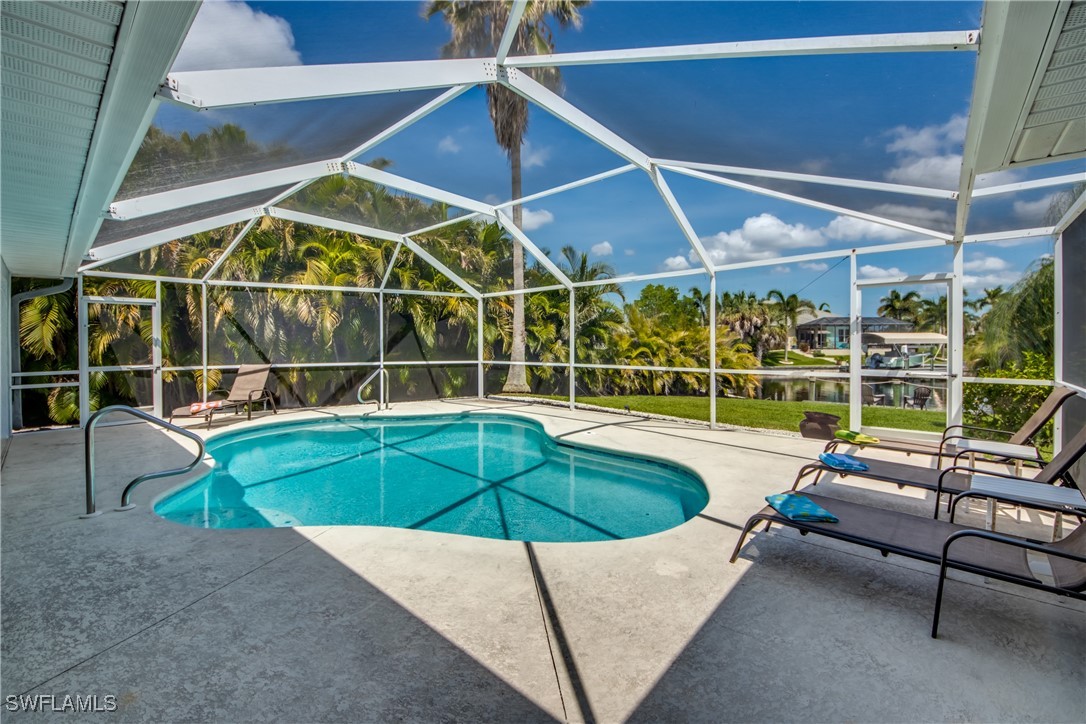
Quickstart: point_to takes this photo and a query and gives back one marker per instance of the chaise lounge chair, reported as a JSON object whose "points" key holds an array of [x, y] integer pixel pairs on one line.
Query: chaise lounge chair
{"points": [[955, 479], [250, 386], [949, 447], [982, 552]]}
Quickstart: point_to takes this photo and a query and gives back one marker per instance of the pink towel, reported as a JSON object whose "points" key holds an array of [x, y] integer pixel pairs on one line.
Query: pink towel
{"points": [[197, 407]]}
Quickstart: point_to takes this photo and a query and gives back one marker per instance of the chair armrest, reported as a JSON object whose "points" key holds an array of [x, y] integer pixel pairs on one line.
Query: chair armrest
{"points": [[974, 427], [1014, 499], [1003, 456], [1010, 540], [974, 471]]}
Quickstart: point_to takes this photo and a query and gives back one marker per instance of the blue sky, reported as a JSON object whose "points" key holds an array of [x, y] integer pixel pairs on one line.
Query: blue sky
{"points": [[892, 117]]}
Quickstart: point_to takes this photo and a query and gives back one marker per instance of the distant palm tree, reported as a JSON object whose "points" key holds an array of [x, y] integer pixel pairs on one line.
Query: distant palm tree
{"points": [[932, 315], [897, 306], [789, 308], [477, 29]]}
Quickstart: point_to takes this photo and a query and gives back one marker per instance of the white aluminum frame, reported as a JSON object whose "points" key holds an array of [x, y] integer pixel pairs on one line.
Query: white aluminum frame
{"points": [[235, 87]]}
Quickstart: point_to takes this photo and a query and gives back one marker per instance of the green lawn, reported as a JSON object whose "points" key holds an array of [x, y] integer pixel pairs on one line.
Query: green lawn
{"points": [[767, 414], [775, 358]]}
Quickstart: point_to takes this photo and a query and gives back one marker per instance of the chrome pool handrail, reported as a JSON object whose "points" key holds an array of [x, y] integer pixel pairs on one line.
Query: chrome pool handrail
{"points": [[382, 393], [88, 435]]}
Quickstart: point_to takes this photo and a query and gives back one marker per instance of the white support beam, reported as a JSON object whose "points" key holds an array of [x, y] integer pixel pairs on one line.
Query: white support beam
{"points": [[529, 245], [510, 32], [228, 250], [943, 41], [640, 277], [406, 121], [680, 217], [314, 220], [147, 241], [391, 264], [1071, 214], [712, 178], [255, 86], [1033, 233], [202, 193], [567, 187], [811, 178], [443, 224], [1041, 183], [906, 279], [442, 268], [149, 37], [414, 187], [566, 111], [956, 333], [855, 351]]}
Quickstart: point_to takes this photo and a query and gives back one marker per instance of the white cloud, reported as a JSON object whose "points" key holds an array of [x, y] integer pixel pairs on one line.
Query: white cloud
{"points": [[534, 219], [849, 228], [629, 252], [448, 144], [940, 171], [869, 271], [931, 156], [492, 199], [780, 270], [984, 263], [919, 215], [815, 266], [603, 248], [531, 157], [761, 237], [234, 35], [676, 263], [1034, 210], [928, 140], [974, 283]]}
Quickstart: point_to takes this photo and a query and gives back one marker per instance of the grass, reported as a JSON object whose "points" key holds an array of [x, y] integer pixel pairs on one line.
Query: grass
{"points": [[767, 414], [775, 358]]}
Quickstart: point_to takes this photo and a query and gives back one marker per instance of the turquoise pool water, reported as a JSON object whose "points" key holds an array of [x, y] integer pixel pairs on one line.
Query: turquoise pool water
{"points": [[490, 476]]}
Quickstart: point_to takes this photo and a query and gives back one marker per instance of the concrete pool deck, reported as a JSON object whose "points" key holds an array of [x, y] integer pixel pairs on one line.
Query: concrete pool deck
{"points": [[375, 624]]}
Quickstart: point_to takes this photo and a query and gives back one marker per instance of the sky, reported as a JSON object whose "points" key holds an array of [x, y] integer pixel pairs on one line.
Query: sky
{"points": [[897, 117]]}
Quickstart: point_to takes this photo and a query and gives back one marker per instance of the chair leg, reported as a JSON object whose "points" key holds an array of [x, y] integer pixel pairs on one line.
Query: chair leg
{"points": [[743, 536], [938, 601]]}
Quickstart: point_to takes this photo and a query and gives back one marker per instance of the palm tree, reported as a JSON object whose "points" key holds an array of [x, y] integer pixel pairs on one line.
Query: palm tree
{"points": [[932, 315], [897, 306], [477, 29], [789, 309]]}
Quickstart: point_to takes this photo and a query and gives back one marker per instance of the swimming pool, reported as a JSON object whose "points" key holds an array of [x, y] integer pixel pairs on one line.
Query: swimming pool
{"points": [[485, 475]]}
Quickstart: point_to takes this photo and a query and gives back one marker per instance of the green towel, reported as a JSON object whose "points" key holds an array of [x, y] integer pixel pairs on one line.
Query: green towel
{"points": [[799, 508], [856, 438]]}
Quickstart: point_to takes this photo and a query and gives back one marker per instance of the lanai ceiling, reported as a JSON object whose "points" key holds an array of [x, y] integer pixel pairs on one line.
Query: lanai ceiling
{"points": [[82, 82]]}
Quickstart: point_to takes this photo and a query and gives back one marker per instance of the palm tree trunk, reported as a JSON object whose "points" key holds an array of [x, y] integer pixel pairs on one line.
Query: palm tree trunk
{"points": [[517, 380]]}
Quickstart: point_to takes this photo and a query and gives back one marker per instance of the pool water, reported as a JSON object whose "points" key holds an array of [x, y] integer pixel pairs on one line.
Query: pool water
{"points": [[489, 476]]}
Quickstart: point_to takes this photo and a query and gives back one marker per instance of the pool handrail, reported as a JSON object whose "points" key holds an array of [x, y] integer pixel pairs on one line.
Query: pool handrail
{"points": [[88, 434], [382, 392]]}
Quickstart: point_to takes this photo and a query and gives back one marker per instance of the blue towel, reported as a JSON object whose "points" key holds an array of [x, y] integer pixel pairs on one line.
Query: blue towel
{"points": [[799, 508], [838, 461]]}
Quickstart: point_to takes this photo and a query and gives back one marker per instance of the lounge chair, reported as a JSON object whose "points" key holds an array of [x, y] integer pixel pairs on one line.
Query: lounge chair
{"points": [[250, 386], [869, 397], [947, 545], [948, 446], [919, 399], [954, 479]]}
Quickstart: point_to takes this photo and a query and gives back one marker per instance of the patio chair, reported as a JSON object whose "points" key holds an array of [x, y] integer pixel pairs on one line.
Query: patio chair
{"points": [[945, 544], [249, 387], [954, 479], [869, 397], [948, 446], [919, 398]]}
